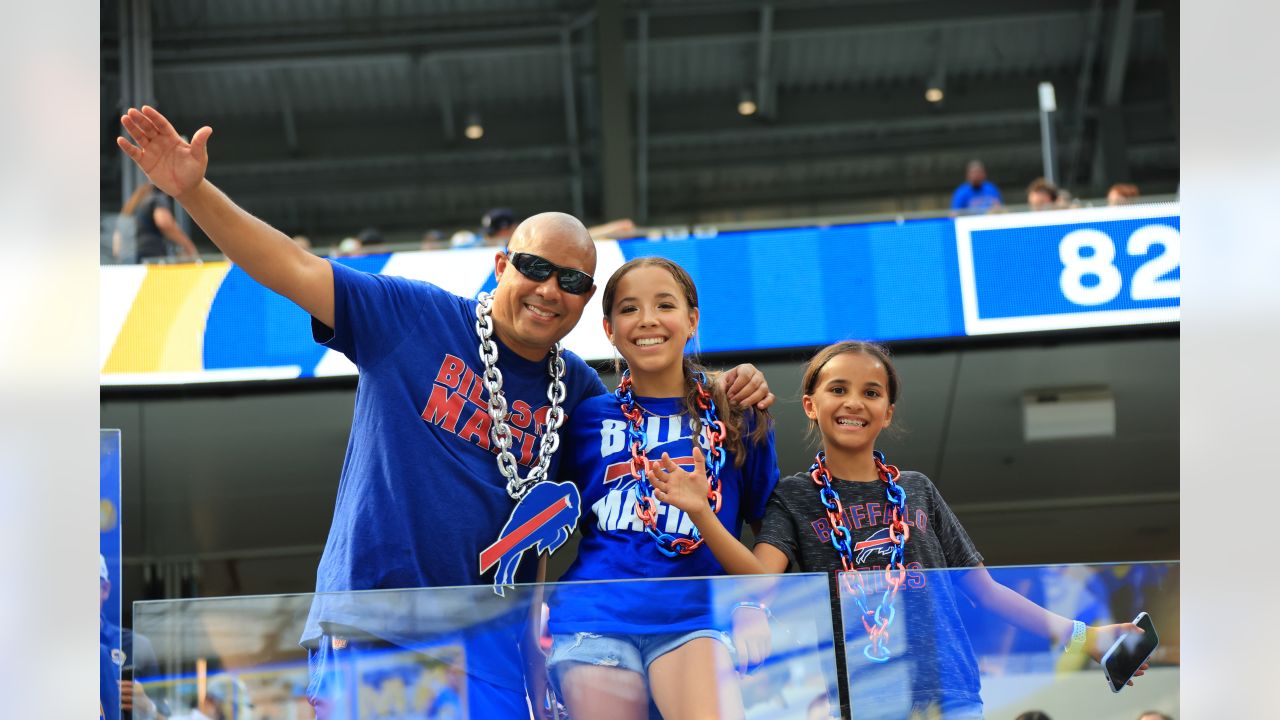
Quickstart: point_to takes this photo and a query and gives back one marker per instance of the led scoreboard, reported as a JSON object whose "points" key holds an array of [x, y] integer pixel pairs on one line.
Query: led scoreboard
{"points": [[1069, 269], [759, 289]]}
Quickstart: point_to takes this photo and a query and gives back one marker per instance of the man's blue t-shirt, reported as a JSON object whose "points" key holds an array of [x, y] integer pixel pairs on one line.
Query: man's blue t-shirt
{"points": [[615, 544], [420, 494], [979, 199]]}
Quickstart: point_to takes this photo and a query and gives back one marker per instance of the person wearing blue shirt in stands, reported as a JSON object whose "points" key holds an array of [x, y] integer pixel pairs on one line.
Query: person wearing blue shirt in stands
{"points": [[976, 194]]}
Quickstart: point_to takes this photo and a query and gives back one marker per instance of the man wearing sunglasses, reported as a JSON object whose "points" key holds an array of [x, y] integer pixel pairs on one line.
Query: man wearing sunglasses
{"points": [[421, 497]]}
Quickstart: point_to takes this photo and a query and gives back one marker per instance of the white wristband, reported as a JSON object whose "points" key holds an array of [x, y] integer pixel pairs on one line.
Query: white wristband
{"points": [[1077, 637], [758, 606]]}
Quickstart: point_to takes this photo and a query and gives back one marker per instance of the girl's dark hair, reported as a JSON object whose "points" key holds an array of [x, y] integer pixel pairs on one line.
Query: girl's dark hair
{"points": [[734, 417], [809, 383]]}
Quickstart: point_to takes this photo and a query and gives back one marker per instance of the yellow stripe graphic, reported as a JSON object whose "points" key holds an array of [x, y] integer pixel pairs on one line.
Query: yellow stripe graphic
{"points": [[164, 331]]}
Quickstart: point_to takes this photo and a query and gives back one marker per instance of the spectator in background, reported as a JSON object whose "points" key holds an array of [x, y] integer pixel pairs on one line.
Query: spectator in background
{"points": [[1066, 199], [496, 228], [1042, 195], [498, 225], [348, 247], [464, 239], [124, 650], [366, 241], [433, 240], [1033, 715], [1154, 715], [370, 237], [613, 229], [976, 194], [1122, 194], [302, 241], [151, 213]]}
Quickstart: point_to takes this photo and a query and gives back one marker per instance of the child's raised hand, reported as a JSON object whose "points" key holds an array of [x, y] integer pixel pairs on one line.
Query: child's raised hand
{"points": [[1098, 639], [680, 488]]}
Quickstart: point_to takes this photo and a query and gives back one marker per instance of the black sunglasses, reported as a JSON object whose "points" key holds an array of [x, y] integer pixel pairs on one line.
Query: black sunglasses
{"points": [[538, 269]]}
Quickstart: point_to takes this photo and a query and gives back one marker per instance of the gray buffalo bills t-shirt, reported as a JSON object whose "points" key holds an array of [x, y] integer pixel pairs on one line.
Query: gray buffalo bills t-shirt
{"points": [[931, 660]]}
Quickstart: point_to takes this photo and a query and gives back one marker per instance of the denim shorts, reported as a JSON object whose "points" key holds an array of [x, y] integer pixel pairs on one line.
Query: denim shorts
{"points": [[629, 652]]}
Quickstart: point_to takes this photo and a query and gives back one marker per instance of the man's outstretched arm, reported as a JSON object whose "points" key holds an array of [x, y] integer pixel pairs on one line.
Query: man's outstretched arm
{"points": [[177, 167]]}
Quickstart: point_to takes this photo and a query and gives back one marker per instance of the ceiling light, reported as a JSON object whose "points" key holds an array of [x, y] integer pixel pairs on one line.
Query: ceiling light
{"points": [[935, 87], [474, 130], [746, 104]]}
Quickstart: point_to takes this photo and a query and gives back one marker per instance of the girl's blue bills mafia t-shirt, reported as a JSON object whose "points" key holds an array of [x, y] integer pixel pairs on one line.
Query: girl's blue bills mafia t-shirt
{"points": [[615, 544], [420, 494]]}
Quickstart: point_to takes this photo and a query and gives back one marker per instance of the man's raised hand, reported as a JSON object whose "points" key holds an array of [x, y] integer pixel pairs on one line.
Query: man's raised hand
{"points": [[169, 162], [267, 255]]}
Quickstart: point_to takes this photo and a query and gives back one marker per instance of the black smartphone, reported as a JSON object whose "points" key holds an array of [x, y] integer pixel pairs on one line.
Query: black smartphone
{"points": [[1128, 653], [126, 676]]}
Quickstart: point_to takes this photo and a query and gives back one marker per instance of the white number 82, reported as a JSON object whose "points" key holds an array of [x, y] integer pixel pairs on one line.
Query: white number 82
{"points": [[1147, 283]]}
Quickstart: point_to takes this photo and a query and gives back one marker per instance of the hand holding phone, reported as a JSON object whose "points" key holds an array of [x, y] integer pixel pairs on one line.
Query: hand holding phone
{"points": [[1129, 654]]}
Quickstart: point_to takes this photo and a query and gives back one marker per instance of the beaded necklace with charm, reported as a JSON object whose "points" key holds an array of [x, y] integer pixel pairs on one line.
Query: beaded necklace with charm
{"points": [[646, 506], [875, 621]]}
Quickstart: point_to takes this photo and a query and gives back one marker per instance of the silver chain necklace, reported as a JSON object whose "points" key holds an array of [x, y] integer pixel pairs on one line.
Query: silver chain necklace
{"points": [[518, 487]]}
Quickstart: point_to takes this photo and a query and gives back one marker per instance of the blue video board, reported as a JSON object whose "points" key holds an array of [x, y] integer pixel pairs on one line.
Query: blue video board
{"points": [[759, 290]]}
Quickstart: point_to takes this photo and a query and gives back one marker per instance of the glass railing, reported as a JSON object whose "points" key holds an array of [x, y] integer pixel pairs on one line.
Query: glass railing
{"points": [[998, 642], [755, 647]]}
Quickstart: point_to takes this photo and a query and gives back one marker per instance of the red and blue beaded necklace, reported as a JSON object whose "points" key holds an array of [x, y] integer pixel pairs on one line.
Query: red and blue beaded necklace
{"points": [[875, 621], [646, 506]]}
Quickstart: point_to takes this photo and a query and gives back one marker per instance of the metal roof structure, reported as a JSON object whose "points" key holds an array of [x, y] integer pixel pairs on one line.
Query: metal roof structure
{"points": [[332, 116]]}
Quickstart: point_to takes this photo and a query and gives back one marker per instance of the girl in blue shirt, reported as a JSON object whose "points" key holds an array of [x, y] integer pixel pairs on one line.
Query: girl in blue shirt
{"points": [[616, 647]]}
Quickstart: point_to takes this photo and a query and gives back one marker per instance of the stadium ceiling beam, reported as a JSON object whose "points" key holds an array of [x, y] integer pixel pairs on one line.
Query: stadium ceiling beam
{"points": [[470, 29], [494, 24], [1084, 86], [921, 123], [389, 46], [1019, 157], [1112, 164], [572, 141], [766, 87], [390, 162], [433, 82], [1170, 20], [1118, 54], [642, 118], [614, 93], [711, 21], [534, 41], [669, 24], [280, 81], [137, 72], [323, 193], [678, 143], [938, 78], [858, 149], [934, 132]]}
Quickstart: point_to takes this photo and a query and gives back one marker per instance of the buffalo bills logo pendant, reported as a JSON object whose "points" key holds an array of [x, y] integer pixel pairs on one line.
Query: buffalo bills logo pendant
{"points": [[543, 520]]}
